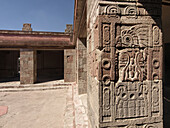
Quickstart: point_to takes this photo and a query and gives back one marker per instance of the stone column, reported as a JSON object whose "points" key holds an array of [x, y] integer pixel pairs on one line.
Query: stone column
{"points": [[28, 66], [82, 66], [70, 65], [125, 64]]}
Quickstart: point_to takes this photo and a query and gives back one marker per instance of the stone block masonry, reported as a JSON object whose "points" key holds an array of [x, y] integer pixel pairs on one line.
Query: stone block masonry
{"points": [[69, 65], [82, 66], [28, 66], [124, 46]]}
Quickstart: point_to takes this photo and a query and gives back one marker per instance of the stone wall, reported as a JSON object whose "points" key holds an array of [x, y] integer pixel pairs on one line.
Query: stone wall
{"points": [[82, 66], [69, 65], [124, 51], [92, 82]]}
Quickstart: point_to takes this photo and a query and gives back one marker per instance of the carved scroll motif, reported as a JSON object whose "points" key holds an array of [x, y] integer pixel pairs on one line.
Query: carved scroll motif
{"points": [[132, 65], [155, 71], [156, 98], [106, 34], [131, 100], [131, 11], [106, 102], [156, 35], [112, 10]]}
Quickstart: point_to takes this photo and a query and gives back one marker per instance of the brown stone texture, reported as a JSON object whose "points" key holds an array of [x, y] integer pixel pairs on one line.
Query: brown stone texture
{"points": [[82, 66], [28, 66], [69, 65], [69, 28], [35, 39], [26, 27], [124, 65]]}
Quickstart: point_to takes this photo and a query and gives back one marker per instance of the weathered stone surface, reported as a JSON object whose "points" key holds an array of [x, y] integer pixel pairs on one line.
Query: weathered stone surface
{"points": [[70, 65], [26, 27], [69, 28], [124, 45], [28, 66], [82, 66], [27, 39]]}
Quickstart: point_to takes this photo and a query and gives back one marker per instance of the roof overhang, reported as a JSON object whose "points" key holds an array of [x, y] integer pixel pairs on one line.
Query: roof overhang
{"points": [[33, 39], [79, 14]]}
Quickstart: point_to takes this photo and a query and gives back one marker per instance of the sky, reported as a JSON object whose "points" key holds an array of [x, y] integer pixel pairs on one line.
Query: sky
{"points": [[44, 15]]}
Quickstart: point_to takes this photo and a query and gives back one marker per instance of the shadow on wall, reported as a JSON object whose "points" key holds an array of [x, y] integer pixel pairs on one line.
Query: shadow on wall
{"points": [[166, 74], [166, 88], [50, 65]]}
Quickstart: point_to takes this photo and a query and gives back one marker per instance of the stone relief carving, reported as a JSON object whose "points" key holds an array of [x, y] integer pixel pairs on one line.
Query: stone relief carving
{"points": [[106, 63], [156, 96], [106, 102], [106, 34], [131, 11], [150, 126], [135, 91], [131, 100], [135, 36], [112, 10], [155, 64], [132, 65], [131, 127], [156, 35]]}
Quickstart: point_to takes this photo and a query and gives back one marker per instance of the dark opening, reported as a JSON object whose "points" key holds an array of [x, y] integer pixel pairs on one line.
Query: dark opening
{"points": [[50, 65], [9, 66], [166, 75]]}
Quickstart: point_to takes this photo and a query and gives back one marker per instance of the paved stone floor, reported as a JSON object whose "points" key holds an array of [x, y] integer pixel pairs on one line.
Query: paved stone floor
{"points": [[37, 109], [59, 107]]}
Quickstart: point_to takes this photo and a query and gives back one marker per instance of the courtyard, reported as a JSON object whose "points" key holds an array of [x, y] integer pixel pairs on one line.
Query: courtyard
{"points": [[36, 109]]}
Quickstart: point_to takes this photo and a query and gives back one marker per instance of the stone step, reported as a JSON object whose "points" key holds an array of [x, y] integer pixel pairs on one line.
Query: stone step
{"points": [[15, 86], [32, 88], [34, 85]]}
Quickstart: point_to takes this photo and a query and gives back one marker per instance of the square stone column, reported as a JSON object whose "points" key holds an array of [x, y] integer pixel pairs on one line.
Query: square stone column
{"points": [[124, 64], [28, 66], [69, 65]]}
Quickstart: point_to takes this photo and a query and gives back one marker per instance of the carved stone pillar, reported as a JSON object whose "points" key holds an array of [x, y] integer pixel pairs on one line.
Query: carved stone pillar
{"points": [[28, 66], [125, 48]]}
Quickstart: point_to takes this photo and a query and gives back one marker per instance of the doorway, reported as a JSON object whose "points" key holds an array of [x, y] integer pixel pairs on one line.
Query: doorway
{"points": [[9, 66], [50, 65]]}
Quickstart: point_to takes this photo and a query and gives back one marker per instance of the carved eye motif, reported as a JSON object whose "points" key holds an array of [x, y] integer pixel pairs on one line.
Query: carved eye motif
{"points": [[155, 76], [127, 39], [106, 64], [156, 63], [131, 12], [106, 80], [113, 11]]}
